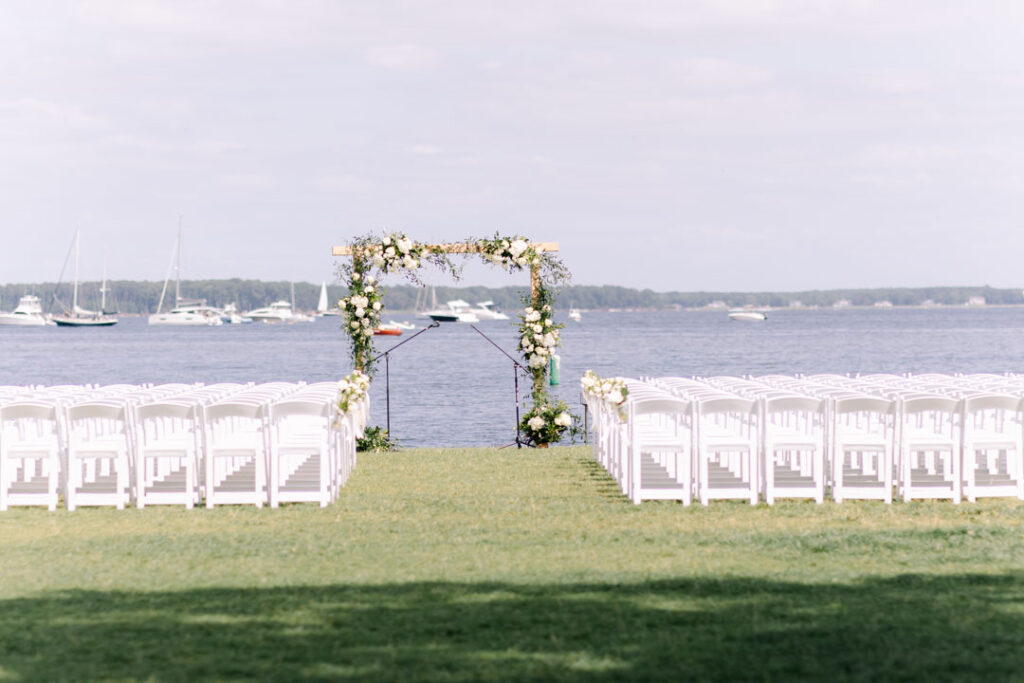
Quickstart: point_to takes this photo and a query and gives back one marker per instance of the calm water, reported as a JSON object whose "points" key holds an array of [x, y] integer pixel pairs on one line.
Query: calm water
{"points": [[449, 386]]}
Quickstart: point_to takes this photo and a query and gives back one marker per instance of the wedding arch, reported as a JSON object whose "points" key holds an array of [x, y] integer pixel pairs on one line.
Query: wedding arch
{"points": [[375, 256]]}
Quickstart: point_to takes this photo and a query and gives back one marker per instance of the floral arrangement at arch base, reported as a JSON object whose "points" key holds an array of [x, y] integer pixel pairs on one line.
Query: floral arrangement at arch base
{"points": [[548, 423]]}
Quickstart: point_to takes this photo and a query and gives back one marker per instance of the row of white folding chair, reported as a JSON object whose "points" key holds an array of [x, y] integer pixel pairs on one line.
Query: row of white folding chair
{"points": [[89, 438], [956, 460]]}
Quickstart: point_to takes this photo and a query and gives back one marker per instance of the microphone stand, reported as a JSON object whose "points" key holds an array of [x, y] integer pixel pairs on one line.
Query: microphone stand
{"points": [[516, 367], [387, 368]]}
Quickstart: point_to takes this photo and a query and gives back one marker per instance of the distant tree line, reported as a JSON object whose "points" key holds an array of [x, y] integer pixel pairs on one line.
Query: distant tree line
{"points": [[143, 296]]}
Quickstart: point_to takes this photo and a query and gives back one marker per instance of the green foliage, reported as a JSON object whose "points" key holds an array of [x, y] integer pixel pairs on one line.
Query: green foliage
{"points": [[376, 439]]}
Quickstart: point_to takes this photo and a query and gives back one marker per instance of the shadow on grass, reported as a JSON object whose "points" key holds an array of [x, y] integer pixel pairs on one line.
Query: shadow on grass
{"points": [[905, 628]]}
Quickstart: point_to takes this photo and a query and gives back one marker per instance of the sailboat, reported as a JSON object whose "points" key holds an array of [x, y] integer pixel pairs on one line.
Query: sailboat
{"points": [[80, 317], [186, 312], [322, 309]]}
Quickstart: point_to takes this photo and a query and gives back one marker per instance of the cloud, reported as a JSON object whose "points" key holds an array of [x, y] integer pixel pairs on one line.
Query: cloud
{"points": [[401, 57], [344, 182], [719, 73], [426, 150]]}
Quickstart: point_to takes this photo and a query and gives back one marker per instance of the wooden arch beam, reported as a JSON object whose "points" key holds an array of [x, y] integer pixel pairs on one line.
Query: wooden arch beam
{"points": [[467, 248]]}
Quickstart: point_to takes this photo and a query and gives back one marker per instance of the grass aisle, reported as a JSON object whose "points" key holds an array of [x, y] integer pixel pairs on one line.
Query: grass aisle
{"points": [[477, 564]]}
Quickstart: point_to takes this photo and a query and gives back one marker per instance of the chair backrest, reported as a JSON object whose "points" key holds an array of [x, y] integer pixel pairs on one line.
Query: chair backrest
{"points": [[786, 404], [992, 402], [28, 411], [864, 404], [930, 404], [217, 411], [309, 408], [727, 404], [96, 411], [663, 405]]}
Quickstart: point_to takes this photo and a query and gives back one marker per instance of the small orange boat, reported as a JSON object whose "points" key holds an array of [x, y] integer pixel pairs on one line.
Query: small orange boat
{"points": [[388, 329]]}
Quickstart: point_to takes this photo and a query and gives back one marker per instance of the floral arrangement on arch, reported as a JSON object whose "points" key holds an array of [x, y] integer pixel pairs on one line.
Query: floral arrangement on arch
{"points": [[511, 253], [612, 390], [361, 309]]}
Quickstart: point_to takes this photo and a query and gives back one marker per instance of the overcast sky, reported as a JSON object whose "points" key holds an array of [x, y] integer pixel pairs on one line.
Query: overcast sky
{"points": [[675, 144]]}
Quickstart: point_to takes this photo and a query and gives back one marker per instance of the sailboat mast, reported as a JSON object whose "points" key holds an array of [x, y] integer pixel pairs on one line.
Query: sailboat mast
{"points": [[177, 269], [74, 297], [103, 289]]}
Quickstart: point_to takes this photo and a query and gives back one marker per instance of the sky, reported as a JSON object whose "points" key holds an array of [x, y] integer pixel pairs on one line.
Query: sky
{"points": [[676, 145]]}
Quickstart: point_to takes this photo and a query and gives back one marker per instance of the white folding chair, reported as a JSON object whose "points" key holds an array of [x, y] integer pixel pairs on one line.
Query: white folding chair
{"points": [[993, 464], [98, 465], [727, 449], [234, 454], [30, 455], [302, 453], [167, 454], [794, 448], [863, 439], [660, 448], [929, 448]]}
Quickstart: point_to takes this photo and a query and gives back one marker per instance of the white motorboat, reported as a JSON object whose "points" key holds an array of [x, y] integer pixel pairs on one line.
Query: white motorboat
{"points": [[277, 312], [457, 312], [574, 314], [485, 310], [191, 314], [186, 312], [29, 313], [80, 317], [747, 315]]}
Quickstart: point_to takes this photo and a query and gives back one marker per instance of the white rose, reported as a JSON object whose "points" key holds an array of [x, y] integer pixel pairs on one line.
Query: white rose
{"points": [[404, 245], [378, 262], [360, 312], [355, 324], [549, 339], [563, 420], [532, 316], [369, 289], [376, 305], [537, 361], [409, 262], [536, 423], [521, 261], [517, 247], [368, 332], [386, 241], [390, 252], [537, 328], [370, 279], [356, 277], [366, 322], [547, 321]]}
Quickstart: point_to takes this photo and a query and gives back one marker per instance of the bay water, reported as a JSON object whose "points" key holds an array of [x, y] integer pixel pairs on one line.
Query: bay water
{"points": [[450, 386]]}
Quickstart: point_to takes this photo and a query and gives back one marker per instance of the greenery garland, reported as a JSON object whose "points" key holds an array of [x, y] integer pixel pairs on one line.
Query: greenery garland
{"points": [[546, 421]]}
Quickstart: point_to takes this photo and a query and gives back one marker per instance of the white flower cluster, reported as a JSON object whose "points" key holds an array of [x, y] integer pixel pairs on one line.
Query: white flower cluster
{"points": [[511, 254], [537, 422], [540, 337], [351, 391], [395, 253], [361, 314], [612, 390]]}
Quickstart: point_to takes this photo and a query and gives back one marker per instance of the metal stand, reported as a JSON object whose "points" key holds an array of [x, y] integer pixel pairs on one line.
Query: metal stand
{"points": [[516, 367], [387, 369]]}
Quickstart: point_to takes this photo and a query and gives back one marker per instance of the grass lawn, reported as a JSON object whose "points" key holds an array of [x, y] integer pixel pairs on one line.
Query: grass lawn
{"points": [[478, 564]]}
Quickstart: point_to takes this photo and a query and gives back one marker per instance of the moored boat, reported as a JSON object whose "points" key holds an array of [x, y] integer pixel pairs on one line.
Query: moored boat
{"points": [[29, 313], [747, 315]]}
